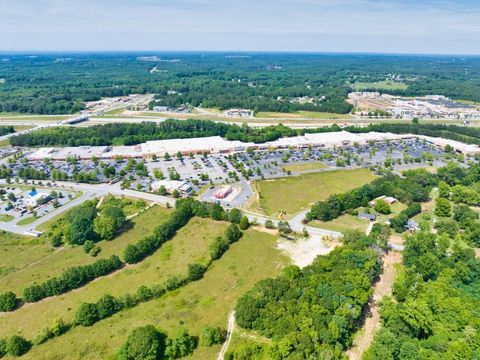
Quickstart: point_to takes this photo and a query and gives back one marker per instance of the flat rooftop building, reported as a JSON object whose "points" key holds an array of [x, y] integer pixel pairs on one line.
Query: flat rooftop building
{"points": [[218, 145]]}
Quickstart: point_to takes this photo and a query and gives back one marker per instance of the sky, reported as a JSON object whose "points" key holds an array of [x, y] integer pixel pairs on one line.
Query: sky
{"points": [[380, 26]]}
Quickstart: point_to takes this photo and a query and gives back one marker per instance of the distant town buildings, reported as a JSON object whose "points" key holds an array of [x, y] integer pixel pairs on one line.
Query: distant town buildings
{"points": [[427, 107], [239, 113]]}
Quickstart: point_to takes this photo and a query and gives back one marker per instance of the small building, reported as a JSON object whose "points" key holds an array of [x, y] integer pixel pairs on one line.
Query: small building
{"points": [[223, 192], [35, 199], [368, 217], [412, 225], [390, 200], [170, 186]]}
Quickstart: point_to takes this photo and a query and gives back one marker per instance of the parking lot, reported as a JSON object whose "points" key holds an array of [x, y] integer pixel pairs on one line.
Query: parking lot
{"points": [[204, 171], [20, 204]]}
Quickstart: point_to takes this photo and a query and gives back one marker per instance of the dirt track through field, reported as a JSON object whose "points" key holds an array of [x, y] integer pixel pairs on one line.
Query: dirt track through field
{"points": [[383, 287], [230, 328]]}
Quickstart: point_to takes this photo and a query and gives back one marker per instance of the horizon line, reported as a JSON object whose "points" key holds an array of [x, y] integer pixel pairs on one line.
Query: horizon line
{"points": [[292, 52]]}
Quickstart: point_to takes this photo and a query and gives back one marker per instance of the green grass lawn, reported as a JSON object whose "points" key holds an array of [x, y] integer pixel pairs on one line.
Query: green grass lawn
{"points": [[380, 85], [204, 302], [343, 223], [6, 218], [27, 220], [295, 193], [305, 167], [45, 262], [301, 114]]}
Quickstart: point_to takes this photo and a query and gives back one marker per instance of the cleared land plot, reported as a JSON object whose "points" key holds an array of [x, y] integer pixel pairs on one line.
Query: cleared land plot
{"points": [[190, 244], [205, 302], [380, 85], [343, 223], [292, 194], [305, 167], [45, 262], [302, 115]]}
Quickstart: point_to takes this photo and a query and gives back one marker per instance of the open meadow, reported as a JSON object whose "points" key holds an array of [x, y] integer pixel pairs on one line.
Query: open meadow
{"points": [[39, 261], [295, 193], [204, 302]]}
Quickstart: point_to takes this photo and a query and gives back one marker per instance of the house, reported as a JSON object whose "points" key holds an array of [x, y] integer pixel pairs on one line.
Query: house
{"points": [[388, 199], [365, 216]]}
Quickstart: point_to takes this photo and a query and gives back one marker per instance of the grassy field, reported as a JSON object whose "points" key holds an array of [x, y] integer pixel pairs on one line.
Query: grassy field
{"points": [[342, 224], [295, 193], [380, 85], [189, 245], [301, 115], [6, 218], [205, 302], [305, 167], [27, 220], [43, 261]]}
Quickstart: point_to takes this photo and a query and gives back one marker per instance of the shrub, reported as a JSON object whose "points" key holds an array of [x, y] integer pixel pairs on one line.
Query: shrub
{"points": [[88, 245], [196, 271], [233, 233], [8, 301], [180, 346], [244, 223], [212, 336], [72, 278], [87, 314], [269, 224], [218, 248], [17, 345], [3, 348], [107, 306], [144, 342]]}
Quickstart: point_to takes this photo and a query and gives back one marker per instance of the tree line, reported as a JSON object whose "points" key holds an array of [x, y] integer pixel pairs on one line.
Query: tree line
{"points": [[311, 313], [131, 134]]}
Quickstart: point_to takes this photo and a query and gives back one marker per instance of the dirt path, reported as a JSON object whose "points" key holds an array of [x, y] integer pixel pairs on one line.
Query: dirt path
{"points": [[383, 287], [230, 328]]}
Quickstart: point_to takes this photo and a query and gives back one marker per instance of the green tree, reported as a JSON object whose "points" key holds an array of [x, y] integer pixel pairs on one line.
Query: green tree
{"points": [[8, 301], [244, 223], [443, 208], [143, 343], [382, 207], [87, 314], [180, 346], [212, 335], [17, 345]]}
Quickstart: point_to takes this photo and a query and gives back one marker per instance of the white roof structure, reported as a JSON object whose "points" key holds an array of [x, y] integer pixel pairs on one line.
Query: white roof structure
{"points": [[216, 144], [171, 185], [195, 145], [457, 145]]}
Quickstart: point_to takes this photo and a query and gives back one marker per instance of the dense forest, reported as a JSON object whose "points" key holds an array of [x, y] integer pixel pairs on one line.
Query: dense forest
{"points": [[311, 313], [132, 134], [61, 83]]}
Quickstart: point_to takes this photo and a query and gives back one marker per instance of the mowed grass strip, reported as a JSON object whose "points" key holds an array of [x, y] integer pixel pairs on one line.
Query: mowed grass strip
{"points": [[295, 193], [189, 245], [46, 262], [301, 115], [204, 302], [310, 166], [343, 223]]}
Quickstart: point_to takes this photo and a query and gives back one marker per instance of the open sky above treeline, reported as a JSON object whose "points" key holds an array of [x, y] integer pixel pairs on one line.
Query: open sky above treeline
{"points": [[383, 26]]}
